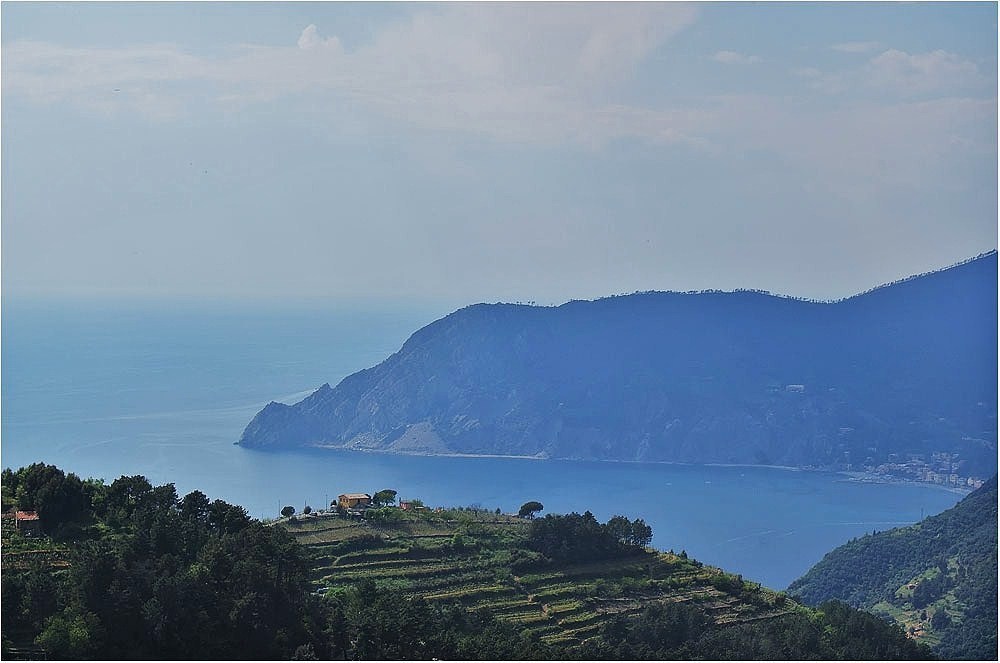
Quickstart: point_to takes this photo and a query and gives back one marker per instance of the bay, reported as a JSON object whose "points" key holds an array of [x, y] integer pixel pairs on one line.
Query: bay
{"points": [[105, 389]]}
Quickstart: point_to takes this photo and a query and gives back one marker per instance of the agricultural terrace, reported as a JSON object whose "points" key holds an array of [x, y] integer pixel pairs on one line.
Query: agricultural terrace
{"points": [[486, 561]]}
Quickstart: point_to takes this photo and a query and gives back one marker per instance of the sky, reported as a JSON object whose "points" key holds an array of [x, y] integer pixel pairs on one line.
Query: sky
{"points": [[492, 152]]}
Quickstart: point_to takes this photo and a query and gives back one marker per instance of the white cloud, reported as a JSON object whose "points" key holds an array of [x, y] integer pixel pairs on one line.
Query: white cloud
{"points": [[900, 75], [857, 46], [860, 149], [533, 72], [921, 72], [806, 72], [50, 72], [732, 57], [104, 81], [310, 38]]}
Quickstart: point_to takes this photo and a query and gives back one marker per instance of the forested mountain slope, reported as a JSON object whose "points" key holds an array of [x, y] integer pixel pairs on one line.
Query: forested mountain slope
{"points": [[938, 577], [739, 377]]}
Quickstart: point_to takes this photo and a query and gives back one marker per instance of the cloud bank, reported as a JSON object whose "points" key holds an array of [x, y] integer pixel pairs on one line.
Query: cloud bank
{"points": [[578, 148], [858, 46], [517, 72], [732, 57]]}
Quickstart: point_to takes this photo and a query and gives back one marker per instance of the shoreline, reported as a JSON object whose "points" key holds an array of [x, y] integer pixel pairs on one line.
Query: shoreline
{"points": [[443, 454], [388, 452], [867, 477], [848, 476]]}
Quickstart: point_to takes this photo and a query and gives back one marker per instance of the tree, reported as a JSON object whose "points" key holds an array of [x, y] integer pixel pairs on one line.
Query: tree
{"points": [[385, 497], [288, 511], [384, 515], [305, 652], [70, 633], [226, 517], [307, 509], [940, 620], [58, 498], [124, 496], [620, 528], [529, 509], [194, 506], [642, 533]]}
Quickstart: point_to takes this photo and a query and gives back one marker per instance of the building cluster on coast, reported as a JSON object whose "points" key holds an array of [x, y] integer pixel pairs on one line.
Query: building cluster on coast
{"points": [[942, 468]]}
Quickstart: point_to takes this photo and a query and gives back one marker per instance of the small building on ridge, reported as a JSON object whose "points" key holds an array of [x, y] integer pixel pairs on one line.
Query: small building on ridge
{"points": [[28, 523], [354, 500]]}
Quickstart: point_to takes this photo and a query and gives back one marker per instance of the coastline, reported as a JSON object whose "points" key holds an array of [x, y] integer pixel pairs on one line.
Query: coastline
{"points": [[542, 456], [436, 454], [868, 477], [847, 476]]}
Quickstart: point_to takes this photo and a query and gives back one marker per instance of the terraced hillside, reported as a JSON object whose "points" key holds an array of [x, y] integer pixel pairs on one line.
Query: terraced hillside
{"points": [[18, 552], [478, 560], [116, 579]]}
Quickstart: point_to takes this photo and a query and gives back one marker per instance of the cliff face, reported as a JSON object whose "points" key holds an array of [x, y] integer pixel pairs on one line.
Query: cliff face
{"points": [[740, 377]]}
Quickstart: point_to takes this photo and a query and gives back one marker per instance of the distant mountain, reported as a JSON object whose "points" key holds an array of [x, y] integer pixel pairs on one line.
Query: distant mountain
{"points": [[726, 377], [937, 578]]}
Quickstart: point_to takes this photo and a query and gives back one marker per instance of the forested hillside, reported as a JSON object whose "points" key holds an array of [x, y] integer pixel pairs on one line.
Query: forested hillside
{"points": [[938, 578], [133, 571], [740, 377]]}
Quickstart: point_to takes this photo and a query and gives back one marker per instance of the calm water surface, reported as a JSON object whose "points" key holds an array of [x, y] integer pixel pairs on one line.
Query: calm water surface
{"points": [[105, 390]]}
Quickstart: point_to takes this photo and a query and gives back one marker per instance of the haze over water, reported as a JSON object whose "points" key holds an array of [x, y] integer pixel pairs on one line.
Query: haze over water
{"points": [[106, 390]]}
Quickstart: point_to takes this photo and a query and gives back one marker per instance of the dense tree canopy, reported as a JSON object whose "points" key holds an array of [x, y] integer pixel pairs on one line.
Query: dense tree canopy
{"points": [[384, 497], [674, 631], [156, 576], [575, 537], [59, 498], [529, 509]]}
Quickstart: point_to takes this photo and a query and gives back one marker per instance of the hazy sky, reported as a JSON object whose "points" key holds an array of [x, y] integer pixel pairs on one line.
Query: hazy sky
{"points": [[484, 152]]}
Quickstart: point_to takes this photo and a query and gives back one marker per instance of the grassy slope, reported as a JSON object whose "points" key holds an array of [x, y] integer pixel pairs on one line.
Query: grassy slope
{"points": [[556, 602]]}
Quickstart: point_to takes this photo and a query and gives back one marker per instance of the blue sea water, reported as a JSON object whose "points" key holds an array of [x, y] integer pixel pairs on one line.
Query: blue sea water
{"points": [[111, 389]]}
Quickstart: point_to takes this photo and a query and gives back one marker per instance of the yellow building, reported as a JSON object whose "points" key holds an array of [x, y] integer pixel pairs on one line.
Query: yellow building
{"points": [[354, 500]]}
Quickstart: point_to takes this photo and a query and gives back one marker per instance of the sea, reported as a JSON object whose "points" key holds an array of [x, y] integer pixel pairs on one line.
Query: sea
{"points": [[164, 389]]}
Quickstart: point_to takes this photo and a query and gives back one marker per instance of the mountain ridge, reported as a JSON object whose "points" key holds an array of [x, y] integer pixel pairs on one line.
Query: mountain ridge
{"points": [[665, 376]]}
